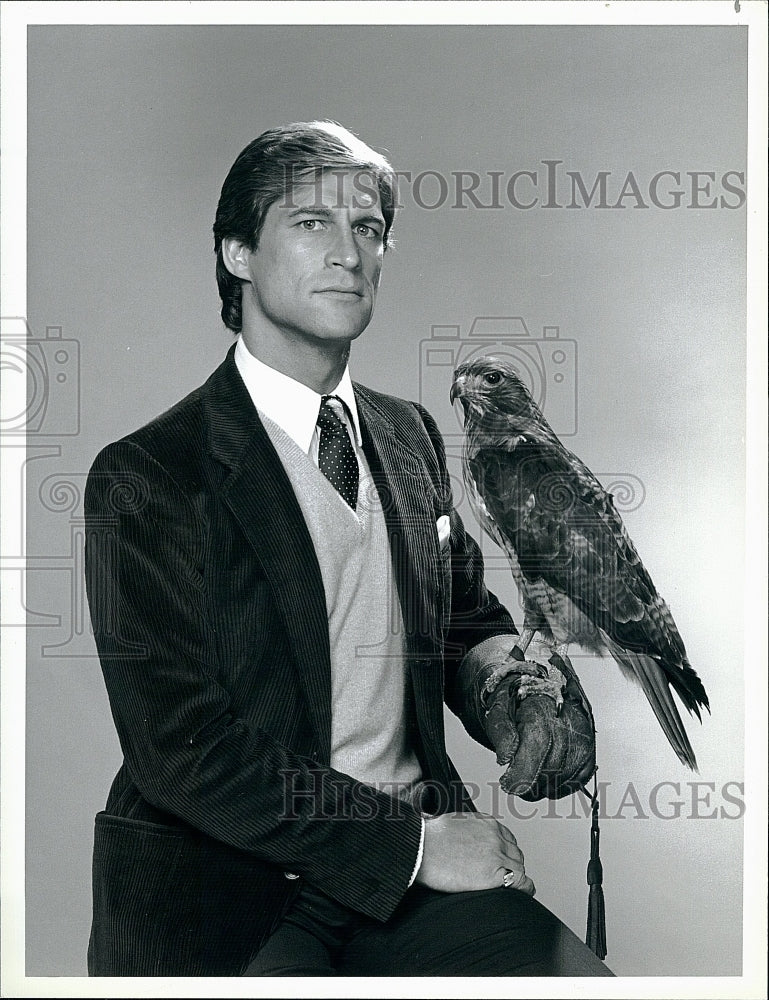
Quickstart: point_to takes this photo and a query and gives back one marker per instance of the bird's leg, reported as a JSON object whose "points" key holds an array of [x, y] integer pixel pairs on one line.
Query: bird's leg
{"points": [[515, 663], [553, 684], [561, 651], [522, 643]]}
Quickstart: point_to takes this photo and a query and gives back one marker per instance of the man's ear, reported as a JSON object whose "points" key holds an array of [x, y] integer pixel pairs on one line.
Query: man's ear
{"points": [[236, 257]]}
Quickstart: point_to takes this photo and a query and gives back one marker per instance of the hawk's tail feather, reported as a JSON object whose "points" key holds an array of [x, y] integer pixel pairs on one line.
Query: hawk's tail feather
{"points": [[690, 689], [654, 682]]}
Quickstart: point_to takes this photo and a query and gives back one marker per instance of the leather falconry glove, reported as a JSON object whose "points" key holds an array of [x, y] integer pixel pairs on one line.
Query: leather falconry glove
{"points": [[540, 722]]}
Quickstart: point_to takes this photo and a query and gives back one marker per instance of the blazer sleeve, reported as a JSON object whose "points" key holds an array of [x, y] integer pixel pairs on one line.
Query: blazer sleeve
{"points": [[481, 630], [185, 748]]}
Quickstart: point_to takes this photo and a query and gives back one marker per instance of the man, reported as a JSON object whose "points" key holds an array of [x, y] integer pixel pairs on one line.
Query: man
{"points": [[282, 598]]}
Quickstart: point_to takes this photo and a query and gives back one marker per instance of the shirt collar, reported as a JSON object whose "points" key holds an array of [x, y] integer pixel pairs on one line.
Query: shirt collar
{"points": [[290, 404]]}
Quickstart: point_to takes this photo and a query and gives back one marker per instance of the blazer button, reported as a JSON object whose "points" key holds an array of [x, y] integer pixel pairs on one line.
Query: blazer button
{"points": [[290, 875]]}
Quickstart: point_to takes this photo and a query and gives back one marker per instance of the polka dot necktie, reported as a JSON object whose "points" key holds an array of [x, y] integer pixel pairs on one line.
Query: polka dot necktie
{"points": [[336, 455]]}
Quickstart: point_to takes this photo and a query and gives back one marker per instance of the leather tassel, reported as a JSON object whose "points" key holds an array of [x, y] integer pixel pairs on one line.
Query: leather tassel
{"points": [[596, 913]]}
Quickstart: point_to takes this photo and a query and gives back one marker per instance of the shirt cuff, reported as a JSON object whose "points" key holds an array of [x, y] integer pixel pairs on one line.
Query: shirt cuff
{"points": [[419, 855]]}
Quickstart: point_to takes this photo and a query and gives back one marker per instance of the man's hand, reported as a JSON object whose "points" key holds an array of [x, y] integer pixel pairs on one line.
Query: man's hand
{"points": [[540, 722], [465, 851]]}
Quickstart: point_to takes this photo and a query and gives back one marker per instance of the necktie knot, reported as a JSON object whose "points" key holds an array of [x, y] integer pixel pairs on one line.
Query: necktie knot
{"points": [[336, 455], [330, 416]]}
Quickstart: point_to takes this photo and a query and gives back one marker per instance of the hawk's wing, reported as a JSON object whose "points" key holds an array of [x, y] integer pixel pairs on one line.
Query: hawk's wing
{"points": [[489, 525], [565, 532]]}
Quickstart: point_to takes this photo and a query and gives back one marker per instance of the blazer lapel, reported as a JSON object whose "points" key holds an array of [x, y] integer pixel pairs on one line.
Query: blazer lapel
{"points": [[261, 497], [409, 512]]}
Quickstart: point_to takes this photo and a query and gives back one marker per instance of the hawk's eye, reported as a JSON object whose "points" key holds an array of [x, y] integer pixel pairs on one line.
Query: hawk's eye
{"points": [[492, 378]]}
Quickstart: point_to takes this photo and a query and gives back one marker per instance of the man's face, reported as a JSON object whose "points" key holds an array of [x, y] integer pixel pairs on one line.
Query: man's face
{"points": [[315, 272]]}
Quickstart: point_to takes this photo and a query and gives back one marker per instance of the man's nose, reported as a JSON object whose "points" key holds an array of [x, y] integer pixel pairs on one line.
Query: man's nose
{"points": [[345, 252]]}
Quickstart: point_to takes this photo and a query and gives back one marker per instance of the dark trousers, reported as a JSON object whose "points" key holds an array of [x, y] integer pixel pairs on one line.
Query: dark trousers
{"points": [[491, 932]]}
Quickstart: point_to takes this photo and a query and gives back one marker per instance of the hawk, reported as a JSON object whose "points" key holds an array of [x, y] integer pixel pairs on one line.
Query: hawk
{"points": [[577, 570]]}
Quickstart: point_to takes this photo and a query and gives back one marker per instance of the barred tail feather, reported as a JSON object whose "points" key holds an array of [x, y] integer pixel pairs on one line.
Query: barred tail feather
{"points": [[647, 672]]}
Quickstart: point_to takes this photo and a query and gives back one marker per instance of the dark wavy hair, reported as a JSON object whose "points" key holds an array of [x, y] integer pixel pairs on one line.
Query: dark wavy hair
{"points": [[267, 169]]}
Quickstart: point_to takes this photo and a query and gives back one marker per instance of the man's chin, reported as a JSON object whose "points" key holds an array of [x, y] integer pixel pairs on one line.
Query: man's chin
{"points": [[342, 327], [339, 335]]}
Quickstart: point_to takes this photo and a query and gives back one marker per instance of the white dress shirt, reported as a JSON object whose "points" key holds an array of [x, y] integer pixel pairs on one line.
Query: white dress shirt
{"points": [[293, 406]]}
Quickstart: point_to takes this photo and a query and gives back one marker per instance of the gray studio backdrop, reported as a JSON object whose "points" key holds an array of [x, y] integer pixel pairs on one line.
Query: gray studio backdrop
{"points": [[641, 289]]}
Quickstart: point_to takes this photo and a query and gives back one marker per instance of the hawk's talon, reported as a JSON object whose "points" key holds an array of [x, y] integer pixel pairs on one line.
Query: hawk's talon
{"points": [[511, 665], [551, 683]]}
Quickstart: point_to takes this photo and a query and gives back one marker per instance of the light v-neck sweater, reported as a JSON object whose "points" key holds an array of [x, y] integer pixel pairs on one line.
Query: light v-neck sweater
{"points": [[369, 731]]}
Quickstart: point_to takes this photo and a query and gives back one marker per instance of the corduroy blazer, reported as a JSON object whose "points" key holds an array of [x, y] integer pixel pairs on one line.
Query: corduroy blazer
{"points": [[210, 620]]}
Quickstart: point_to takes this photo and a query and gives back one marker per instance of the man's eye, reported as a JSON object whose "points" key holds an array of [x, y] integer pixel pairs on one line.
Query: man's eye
{"points": [[367, 231], [311, 225]]}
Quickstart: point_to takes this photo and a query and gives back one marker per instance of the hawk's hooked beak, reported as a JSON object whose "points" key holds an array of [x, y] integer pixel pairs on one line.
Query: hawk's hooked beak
{"points": [[457, 387]]}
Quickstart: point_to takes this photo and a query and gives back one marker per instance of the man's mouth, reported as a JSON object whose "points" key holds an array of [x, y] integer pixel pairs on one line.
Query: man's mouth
{"points": [[339, 290]]}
